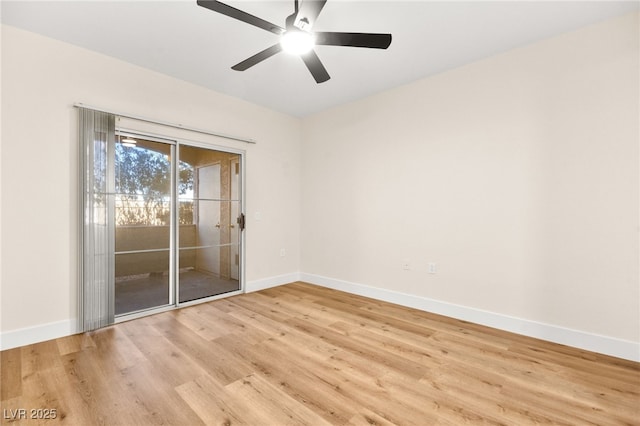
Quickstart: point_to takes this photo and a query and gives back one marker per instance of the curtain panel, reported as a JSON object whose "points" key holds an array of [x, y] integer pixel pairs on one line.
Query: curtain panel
{"points": [[97, 142]]}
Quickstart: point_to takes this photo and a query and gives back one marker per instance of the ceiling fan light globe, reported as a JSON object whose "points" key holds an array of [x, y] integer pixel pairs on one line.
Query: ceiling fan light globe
{"points": [[297, 42]]}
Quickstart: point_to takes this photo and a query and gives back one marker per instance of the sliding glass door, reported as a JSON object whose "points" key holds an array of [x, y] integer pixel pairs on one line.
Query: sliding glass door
{"points": [[177, 227], [161, 221]]}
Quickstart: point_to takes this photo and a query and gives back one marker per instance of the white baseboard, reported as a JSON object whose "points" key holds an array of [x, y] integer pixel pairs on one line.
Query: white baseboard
{"points": [[265, 283], [39, 333], [592, 342]]}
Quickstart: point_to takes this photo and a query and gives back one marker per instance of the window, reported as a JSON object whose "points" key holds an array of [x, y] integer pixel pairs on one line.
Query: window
{"points": [[161, 222]]}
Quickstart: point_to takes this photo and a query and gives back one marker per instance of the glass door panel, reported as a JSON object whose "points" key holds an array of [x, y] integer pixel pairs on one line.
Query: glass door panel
{"points": [[143, 224], [209, 234]]}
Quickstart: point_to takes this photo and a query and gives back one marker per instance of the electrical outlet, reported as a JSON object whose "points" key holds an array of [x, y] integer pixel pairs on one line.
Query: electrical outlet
{"points": [[431, 267], [406, 264], [283, 252]]}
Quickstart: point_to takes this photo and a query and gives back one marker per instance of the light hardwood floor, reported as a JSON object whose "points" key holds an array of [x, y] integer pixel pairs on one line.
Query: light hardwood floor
{"points": [[305, 355]]}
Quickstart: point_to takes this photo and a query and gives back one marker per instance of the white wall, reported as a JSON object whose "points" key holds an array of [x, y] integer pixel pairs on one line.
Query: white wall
{"points": [[517, 175], [41, 80]]}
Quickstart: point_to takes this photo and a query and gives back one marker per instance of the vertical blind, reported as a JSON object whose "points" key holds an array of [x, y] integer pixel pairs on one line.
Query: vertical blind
{"points": [[97, 139]]}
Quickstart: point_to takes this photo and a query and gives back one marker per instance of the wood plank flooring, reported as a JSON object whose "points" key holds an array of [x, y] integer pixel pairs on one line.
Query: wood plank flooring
{"points": [[305, 355]]}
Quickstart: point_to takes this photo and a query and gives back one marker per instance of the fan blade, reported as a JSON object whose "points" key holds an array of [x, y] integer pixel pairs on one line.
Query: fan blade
{"points": [[232, 12], [257, 58], [318, 71], [374, 41], [307, 13]]}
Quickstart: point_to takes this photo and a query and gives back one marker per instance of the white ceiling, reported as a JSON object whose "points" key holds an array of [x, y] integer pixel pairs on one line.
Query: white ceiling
{"points": [[183, 40]]}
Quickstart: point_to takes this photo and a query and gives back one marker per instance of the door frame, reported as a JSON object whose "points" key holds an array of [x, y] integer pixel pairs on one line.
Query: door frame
{"points": [[197, 212]]}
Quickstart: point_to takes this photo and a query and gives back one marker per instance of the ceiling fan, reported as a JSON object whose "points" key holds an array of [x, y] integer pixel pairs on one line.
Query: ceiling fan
{"points": [[297, 36]]}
